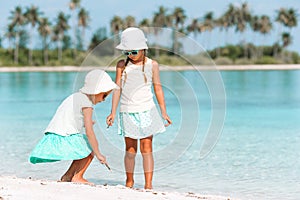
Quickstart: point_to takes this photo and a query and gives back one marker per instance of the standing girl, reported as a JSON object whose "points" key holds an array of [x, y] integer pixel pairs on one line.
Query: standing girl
{"points": [[63, 139], [139, 118]]}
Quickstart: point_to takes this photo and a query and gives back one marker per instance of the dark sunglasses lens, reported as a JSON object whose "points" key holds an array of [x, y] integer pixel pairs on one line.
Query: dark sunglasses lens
{"points": [[126, 53], [135, 52]]}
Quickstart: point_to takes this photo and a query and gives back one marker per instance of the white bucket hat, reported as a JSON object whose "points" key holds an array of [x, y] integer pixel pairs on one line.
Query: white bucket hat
{"points": [[97, 81], [132, 39]]}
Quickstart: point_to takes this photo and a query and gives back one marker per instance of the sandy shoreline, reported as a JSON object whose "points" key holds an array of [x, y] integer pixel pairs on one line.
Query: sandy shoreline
{"points": [[162, 68], [12, 188]]}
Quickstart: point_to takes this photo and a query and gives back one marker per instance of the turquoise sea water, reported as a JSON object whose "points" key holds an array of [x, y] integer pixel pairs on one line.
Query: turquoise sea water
{"points": [[257, 155]]}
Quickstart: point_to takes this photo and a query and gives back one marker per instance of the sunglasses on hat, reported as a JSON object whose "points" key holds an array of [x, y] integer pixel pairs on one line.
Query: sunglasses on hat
{"points": [[133, 52]]}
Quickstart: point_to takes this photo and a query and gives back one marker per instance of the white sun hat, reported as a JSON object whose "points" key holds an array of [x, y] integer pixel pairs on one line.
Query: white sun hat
{"points": [[132, 39], [97, 81]]}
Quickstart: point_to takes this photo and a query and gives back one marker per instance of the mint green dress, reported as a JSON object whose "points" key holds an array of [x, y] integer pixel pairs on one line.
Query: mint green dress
{"points": [[53, 147], [63, 139]]}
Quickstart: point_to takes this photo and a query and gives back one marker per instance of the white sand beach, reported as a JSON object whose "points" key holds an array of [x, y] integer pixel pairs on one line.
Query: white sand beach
{"points": [[13, 188]]}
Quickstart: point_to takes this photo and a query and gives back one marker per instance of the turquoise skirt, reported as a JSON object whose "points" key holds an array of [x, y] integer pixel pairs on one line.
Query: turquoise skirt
{"points": [[140, 125], [53, 147]]}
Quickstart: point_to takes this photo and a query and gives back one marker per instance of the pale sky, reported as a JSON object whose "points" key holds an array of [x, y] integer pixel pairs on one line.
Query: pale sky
{"points": [[101, 12]]}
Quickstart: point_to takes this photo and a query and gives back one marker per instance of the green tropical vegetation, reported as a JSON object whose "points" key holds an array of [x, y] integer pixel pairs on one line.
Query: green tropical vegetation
{"points": [[62, 40]]}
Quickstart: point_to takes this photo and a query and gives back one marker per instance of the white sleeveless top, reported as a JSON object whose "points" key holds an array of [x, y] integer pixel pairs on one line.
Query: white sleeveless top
{"points": [[136, 95], [68, 118]]}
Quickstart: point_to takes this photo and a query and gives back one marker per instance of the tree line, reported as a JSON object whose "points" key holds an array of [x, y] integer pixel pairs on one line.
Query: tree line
{"points": [[60, 39]]}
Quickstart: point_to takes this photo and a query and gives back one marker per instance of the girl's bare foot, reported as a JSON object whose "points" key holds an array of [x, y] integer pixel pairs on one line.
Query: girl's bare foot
{"points": [[80, 180], [148, 187], [65, 178], [129, 184]]}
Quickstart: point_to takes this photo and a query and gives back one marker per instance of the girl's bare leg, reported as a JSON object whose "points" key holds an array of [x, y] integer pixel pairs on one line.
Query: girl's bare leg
{"points": [[67, 177], [82, 166], [75, 167], [129, 160], [148, 162]]}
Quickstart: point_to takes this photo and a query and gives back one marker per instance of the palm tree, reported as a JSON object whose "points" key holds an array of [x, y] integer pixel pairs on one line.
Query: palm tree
{"points": [[44, 30], [265, 26], [99, 36], [207, 25], [286, 39], [286, 18], [229, 19], [144, 25], [255, 25], [60, 28], [292, 22], [74, 5], [10, 35], [116, 25], [193, 27], [17, 21], [292, 18], [282, 20], [243, 17], [222, 24], [32, 15], [83, 20], [55, 37], [129, 22], [179, 18], [160, 19]]}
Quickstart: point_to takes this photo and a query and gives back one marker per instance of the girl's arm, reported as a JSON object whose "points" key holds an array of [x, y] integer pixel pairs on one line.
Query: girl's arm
{"points": [[159, 93], [88, 123], [117, 93]]}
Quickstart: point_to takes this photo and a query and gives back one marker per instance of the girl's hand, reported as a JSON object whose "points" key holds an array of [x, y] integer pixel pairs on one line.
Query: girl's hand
{"points": [[110, 120], [167, 118], [102, 159]]}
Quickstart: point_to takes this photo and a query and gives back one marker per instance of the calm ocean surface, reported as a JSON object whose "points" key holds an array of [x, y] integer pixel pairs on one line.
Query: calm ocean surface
{"points": [[257, 155]]}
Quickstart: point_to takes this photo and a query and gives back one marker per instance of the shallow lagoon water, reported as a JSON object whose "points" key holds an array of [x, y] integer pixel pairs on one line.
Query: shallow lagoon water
{"points": [[255, 157]]}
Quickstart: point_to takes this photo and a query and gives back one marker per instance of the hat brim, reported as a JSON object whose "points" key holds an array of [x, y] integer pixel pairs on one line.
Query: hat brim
{"points": [[122, 47], [106, 88]]}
